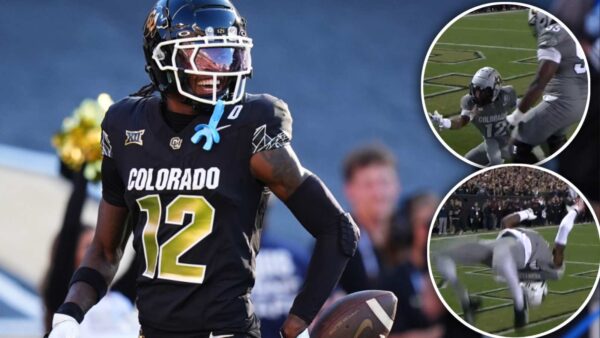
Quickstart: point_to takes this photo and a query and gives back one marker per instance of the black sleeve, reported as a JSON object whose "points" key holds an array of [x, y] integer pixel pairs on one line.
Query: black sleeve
{"points": [[355, 278], [113, 189], [337, 237], [63, 251]]}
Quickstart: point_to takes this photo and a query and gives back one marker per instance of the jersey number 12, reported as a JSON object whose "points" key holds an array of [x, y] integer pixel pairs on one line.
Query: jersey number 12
{"points": [[495, 129], [166, 256]]}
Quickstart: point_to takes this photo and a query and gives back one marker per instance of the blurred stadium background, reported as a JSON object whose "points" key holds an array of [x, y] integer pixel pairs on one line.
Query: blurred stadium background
{"points": [[349, 70]]}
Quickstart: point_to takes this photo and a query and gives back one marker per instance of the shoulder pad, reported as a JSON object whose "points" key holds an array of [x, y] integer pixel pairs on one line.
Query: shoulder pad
{"points": [[466, 103], [266, 108], [551, 36], [509, 95], [122, 109]]}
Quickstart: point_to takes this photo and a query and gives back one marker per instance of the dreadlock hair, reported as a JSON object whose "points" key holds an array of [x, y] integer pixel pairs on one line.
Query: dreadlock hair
{"points": [[145, 91]]}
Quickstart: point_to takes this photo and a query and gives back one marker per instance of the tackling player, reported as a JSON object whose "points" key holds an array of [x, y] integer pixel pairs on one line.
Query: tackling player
{"points": [[560, 81], [519, 257], [193, 168], [486, 106]]}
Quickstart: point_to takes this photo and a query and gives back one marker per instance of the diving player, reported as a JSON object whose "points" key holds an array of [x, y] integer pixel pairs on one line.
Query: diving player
{"points": [[561, 82], [193, 168], [486, 106], [519, 257]]}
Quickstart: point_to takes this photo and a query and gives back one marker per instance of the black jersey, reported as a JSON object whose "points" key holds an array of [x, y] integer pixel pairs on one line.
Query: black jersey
{"points": [[196, 214]]}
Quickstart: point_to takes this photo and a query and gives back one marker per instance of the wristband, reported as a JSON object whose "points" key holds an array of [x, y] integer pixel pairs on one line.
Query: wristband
{"points": [[91, 277], [73, 310]]}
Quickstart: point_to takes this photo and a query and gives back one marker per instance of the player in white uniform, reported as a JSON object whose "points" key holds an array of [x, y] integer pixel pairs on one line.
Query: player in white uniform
{"points": [[486, 106]]}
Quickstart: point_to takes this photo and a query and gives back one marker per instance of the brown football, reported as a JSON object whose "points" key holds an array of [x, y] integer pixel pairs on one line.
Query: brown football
{"points": [[365, 314]]}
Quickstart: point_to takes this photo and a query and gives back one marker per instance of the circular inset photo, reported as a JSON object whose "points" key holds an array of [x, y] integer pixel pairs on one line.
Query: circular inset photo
{"points": [[513, 251], [505, 83]]}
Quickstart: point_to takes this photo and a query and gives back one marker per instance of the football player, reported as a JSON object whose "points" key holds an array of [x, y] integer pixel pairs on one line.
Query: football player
{"points": [[193, 168], [486, 106], [519, 257], [561, 82]]}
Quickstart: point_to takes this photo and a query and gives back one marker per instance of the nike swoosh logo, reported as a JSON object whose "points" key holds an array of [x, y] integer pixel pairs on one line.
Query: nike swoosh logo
{"points": [[366, 324], [221, 128], [220, 336]]}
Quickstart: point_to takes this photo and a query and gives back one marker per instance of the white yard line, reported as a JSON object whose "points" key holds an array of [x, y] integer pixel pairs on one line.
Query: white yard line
{"points": [[448, 74], [500, 333], [492, 29], [485, 233], [440, 85], [441, 92], [512, 11], [582, 263], [486, 46]]}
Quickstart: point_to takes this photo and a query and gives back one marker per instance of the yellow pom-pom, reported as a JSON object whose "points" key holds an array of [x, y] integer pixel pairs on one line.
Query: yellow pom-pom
{"points": [[105, 101], [78, 142]]}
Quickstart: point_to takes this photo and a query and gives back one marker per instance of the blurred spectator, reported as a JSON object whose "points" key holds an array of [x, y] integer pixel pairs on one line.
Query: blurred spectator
{"points": [[280, 270], [115, 314], [489, 214], [475, 217], [419, 310], [462, 215], [454, 214], [372, 189], [443, 220]]}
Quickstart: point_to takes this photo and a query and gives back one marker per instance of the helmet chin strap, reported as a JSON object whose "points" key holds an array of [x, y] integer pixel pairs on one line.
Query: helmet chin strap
{"points": [[209, 131]]}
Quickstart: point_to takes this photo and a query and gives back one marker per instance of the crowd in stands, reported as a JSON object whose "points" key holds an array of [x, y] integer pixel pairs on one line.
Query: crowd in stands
{"points": [[513, 181], [482, 202]]}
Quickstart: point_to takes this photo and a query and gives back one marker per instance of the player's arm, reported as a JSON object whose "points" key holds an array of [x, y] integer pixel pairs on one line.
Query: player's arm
{"points": [[549, 62], [318, 211], [99, 266], [545, 73], [454, 122], [459, 121]]}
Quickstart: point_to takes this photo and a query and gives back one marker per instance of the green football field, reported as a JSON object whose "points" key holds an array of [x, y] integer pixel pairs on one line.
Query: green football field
{"points": [[565, 296], [503, 41]]}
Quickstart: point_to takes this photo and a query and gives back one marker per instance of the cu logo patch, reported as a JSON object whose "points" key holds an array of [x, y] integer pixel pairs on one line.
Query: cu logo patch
{"points": [[175, 143]]}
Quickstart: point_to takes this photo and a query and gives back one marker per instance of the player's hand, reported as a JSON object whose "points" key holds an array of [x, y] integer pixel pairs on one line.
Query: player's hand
{"points": [[294, 327], [578, 206], [439, 120], [515, 118], [64, 326]]}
